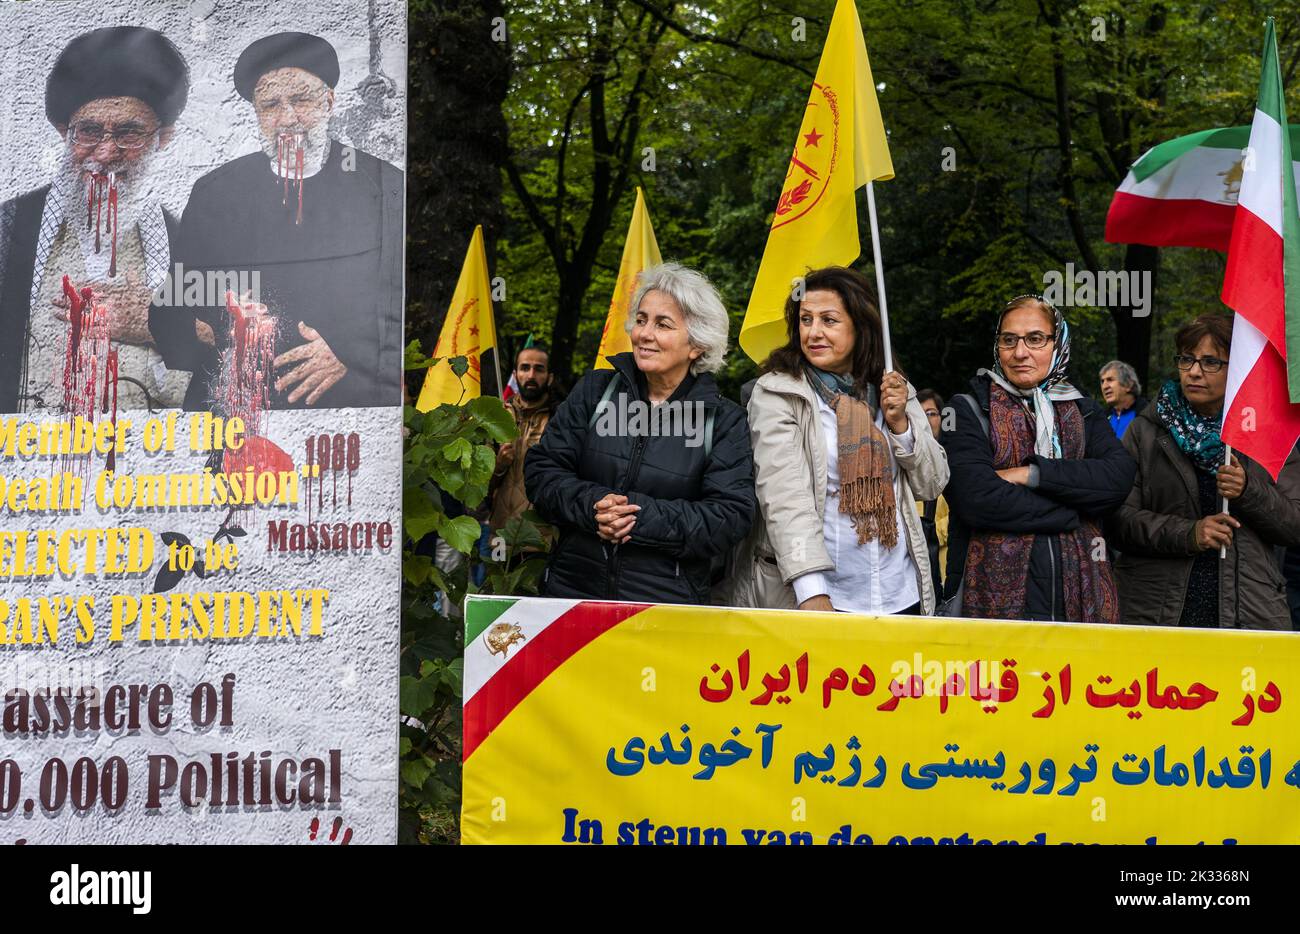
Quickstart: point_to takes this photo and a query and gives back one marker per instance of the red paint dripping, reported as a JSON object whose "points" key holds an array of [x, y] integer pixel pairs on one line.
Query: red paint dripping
{"points": [[110, 385], [99, 209], [311, 459], [244, 390], [112, 220], [101, 204], [90, 370], [290, 159], [245, 382], [339, 455], [315, 827], [322, 458], [354, 461]]}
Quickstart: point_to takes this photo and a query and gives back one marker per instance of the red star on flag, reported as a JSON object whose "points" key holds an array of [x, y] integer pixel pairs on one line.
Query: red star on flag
{"points": [[811, 139]]}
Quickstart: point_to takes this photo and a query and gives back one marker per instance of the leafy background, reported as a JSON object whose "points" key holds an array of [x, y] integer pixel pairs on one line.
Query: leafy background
{"points": [[1011, 123]]}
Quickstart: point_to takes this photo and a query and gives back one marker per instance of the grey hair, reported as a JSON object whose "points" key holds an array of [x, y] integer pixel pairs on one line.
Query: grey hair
{"points": [[1126, 375], [707, 323]]}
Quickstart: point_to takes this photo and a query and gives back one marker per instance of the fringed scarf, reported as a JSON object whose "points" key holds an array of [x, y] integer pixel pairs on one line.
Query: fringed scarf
{"points": [[997, 563], [866, 473]]}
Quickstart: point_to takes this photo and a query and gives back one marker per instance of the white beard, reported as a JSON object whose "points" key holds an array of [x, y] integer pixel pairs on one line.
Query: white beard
{"points": [[135, 181], [315, 147]]}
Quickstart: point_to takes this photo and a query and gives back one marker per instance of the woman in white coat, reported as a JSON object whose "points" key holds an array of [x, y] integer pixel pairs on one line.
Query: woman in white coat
{"points": [[842, 452]]}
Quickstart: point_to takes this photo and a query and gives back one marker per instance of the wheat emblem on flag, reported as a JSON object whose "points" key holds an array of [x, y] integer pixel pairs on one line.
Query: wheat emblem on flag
{"points": [[813, 161]]}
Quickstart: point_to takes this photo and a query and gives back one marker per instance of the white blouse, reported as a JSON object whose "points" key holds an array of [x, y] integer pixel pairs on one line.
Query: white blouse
{"points": [[867, 578]]}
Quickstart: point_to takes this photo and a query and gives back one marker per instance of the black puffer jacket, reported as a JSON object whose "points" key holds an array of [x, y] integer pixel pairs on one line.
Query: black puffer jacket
{"points": [[693, 508], [979, 499]]}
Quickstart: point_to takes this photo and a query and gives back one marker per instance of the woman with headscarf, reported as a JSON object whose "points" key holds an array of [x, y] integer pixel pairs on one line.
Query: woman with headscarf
{"points": [[1034, 467], [842, 452], [1172, 526]]}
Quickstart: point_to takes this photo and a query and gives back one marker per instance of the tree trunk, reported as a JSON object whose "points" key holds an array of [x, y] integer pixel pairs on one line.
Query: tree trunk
{"points": [[456, 148], [1133, 333], [573, 286]]}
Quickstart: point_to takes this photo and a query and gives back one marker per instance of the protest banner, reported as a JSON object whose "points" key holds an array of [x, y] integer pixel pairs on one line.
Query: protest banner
{"points": [[200, 421], [611, 723]]}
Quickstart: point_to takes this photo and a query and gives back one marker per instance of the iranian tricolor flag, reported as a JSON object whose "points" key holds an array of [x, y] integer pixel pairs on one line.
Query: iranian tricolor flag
{"points": [[1184, 192], [1262, 284]]}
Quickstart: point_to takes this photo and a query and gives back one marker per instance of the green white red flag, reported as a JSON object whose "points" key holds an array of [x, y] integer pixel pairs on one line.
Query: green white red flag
{"points": [[1262, 284], [1184, 192]]}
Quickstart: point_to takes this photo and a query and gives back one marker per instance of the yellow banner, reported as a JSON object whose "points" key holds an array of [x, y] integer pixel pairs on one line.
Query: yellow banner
{"points": [[841, 146], [468, 331], [613, 723], [640, 251]]}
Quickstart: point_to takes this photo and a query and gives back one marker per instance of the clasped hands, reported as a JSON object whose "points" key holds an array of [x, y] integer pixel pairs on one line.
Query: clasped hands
{"points": [[615, 517]]}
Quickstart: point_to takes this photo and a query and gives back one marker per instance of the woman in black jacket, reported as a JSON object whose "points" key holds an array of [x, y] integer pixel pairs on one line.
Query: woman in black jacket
{"points": [[1033, 466], [645, 468]]}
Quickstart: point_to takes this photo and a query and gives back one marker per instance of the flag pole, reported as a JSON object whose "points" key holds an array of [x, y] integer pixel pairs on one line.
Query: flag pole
{"points": [[496, 365], [1227, 462], [880, 278]]}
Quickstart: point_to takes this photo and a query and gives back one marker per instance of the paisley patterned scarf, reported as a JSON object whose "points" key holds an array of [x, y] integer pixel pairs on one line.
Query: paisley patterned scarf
{"points": [[1195, 435], [997, 563]]}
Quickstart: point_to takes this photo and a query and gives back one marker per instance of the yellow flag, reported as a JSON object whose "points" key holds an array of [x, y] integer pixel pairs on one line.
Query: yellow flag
{"points": [[467, 332], [640, 251], [840, 147]]}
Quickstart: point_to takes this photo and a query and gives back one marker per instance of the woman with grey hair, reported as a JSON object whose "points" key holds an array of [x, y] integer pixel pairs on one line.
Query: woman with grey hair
{"points": [[645, 469], [1123, 394]]}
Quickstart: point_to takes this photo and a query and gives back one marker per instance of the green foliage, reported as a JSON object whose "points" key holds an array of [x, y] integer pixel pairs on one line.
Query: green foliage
{"points": [[1010, 125], [977, 98], [448, 450]]}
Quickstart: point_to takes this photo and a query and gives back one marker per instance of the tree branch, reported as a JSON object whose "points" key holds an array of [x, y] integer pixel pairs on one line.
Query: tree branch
{"points": [[698, 37], [534, 212], [1065, 172]]}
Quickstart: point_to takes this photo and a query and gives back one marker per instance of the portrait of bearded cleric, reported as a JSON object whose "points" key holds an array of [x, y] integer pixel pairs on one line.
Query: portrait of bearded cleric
{"points": [[317, 225], [113, 97]]}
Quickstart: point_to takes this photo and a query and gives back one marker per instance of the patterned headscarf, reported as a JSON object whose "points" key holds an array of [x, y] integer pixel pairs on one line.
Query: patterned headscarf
{"points": [[1054, 388]]}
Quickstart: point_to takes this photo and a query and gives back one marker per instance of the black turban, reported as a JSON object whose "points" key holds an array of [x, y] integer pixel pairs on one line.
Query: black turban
{"points": [[118, 61], [285, 50]]}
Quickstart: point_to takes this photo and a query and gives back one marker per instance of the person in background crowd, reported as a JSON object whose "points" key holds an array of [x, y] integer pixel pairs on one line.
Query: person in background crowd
{"points": [[1034, 468], [934, 512], [1123, 393], [531, 407], [1171, 527], [839, 464], [645, 469]]}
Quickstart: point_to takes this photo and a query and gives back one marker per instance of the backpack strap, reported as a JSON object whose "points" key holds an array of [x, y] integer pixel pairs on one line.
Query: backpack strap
{"points": [[979, 413], [608, 394]]}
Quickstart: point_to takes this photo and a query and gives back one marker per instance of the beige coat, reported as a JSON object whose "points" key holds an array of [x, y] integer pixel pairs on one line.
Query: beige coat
{"points": [[506, 489], [790, 478]]}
